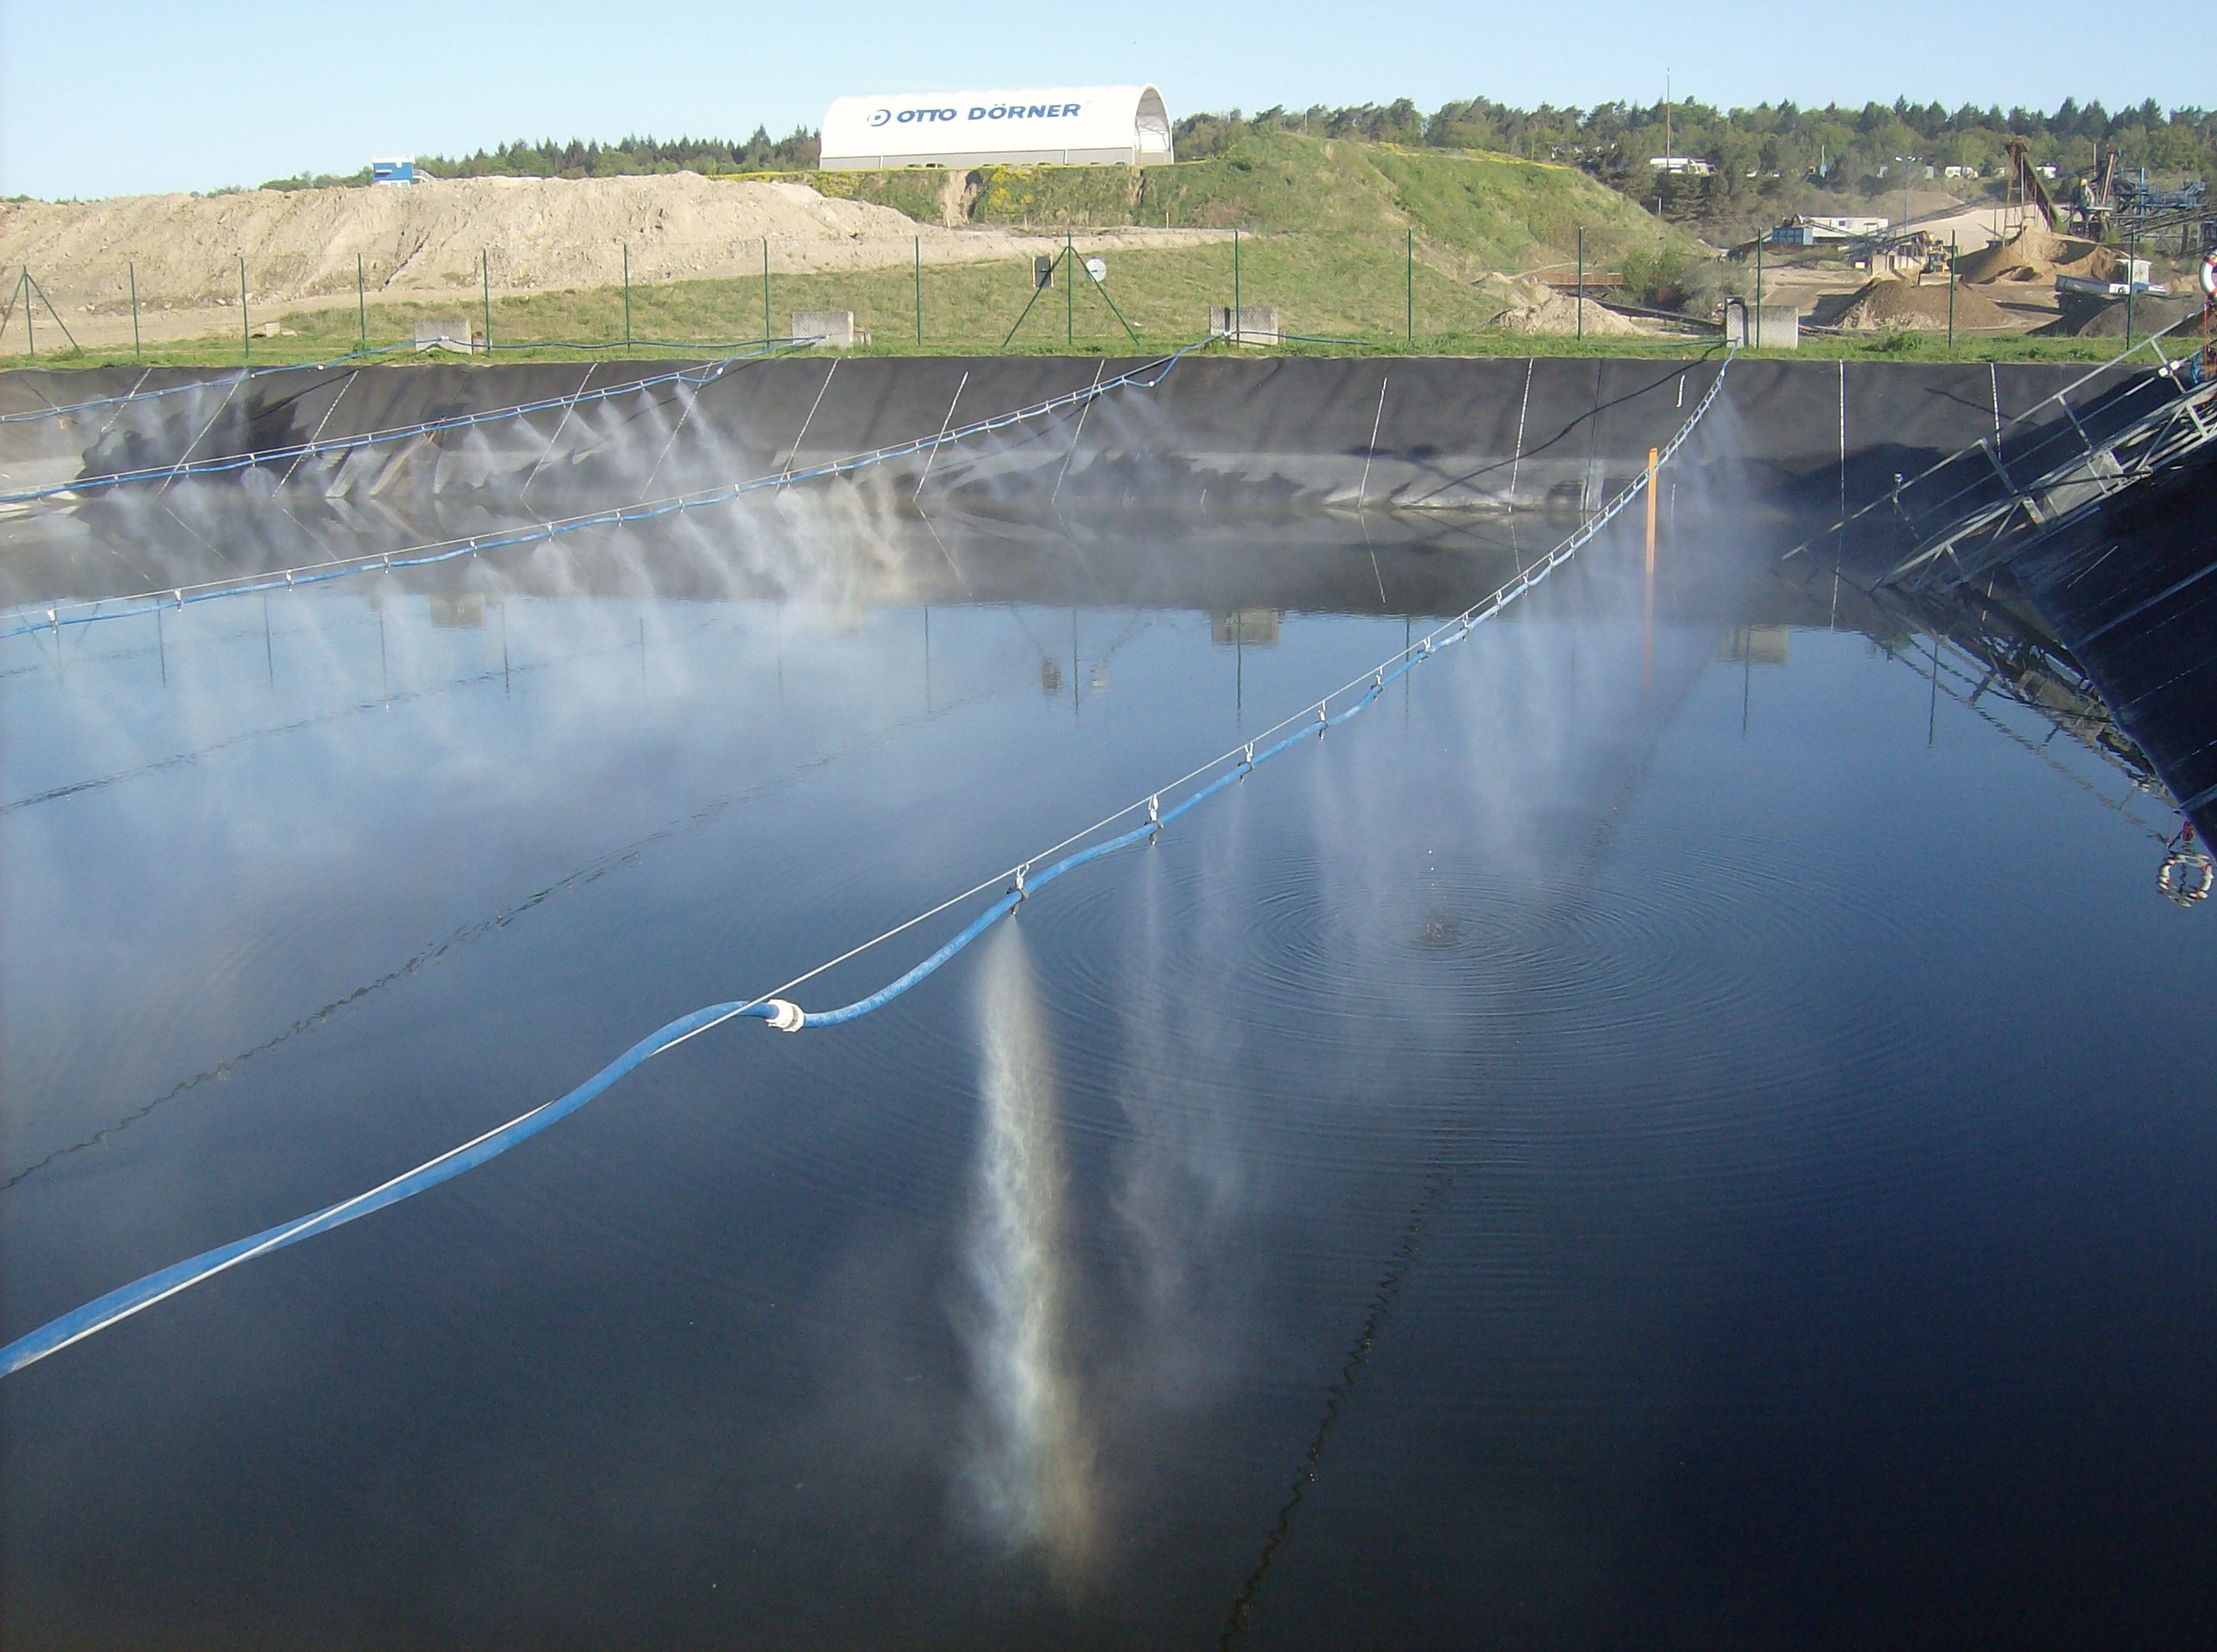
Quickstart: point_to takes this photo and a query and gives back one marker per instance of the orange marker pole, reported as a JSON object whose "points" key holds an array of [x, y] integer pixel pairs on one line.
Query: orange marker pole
{"points": [[1648, 662]]}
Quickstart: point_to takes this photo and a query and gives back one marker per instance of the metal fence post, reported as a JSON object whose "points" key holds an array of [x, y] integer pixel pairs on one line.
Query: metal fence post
{"points": [[1409, 297], [1578, 298], [245, 327], [1951, 291], [485, 267], [1070, 307], [627, 273], [1758, 292], [765, 292], [360, 300], [137, 354], [919, 291], [2132, 257], [1237, 330], [23, 288]]}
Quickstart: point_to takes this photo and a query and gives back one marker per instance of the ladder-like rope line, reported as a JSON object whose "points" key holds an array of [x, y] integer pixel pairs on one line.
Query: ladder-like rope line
{"points": [[773, 1006], [697, 378], [1146, 377]]}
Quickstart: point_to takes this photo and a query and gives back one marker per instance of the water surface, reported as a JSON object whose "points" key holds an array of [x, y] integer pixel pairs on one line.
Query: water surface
{"points": [[1688, 1132]]}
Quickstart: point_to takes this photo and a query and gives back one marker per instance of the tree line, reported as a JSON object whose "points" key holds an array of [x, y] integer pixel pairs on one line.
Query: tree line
{"points": [[1747, 149]]}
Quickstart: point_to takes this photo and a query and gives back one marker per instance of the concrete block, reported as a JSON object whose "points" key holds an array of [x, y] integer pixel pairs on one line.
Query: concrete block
{"points": [[1256, 323], [1778, 327], [832, 329], [448, 333]]}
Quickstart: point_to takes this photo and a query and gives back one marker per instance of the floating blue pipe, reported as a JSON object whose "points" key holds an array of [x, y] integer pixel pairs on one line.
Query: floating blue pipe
{"points": [[119, 1304]]}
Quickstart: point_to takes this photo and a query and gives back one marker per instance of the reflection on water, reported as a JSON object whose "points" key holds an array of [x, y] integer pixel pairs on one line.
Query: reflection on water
{"points": [[1677, 1133], [1032, 1469]]}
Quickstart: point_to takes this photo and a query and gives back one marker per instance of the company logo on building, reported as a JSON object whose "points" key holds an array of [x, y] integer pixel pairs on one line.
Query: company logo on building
{"points": [[979, 112]]}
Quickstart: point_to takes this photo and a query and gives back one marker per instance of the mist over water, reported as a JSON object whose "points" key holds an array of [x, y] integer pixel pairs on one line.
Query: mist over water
{"points": [[1790, 1071]]}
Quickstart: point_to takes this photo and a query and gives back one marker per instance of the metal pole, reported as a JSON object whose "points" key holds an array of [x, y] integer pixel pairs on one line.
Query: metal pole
{"points": [[1409, 297], [627, 273], [2132, 257], [1951, 291], [23, 286], [1235, 328], [136, 354], [1580, 300], [360, 300], [919, 290], [1070, 340], [485, 266], [245, 329], [1758, 292], [765, 292]]}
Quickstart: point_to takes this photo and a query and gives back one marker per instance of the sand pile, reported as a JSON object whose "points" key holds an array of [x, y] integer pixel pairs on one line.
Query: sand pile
{"points": [[1527, 306], [2150, 315], [2036, 254], [1905, 304], [541, 232]]}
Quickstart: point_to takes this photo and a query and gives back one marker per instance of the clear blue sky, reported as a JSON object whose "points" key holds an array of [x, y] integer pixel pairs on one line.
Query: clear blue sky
{"points": [[116, 97]]}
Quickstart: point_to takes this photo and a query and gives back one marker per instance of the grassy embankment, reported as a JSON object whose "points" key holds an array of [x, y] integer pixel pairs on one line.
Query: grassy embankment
{"points": [[1326, 228]]}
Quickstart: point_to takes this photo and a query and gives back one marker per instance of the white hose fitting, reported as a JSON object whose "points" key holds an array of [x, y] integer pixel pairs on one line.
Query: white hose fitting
{"points": [[787, 1017]]}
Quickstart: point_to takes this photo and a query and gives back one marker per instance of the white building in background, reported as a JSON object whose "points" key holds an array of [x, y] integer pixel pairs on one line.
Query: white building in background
{"points": [[1058, 125]]}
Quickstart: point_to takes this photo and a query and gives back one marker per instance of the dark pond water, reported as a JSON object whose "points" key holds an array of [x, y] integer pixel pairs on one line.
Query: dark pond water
{"points": [[1696, 1135]]}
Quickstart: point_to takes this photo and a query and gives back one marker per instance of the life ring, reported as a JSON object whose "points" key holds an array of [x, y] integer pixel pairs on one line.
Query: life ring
{"points": [[2209, 276], [2186, 875]]}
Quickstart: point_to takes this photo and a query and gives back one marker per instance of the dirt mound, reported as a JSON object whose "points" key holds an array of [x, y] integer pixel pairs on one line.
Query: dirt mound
{"points": [[1529, 306], [2035, 254], [2150, 315], [300, 245], [1889, 304]]}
